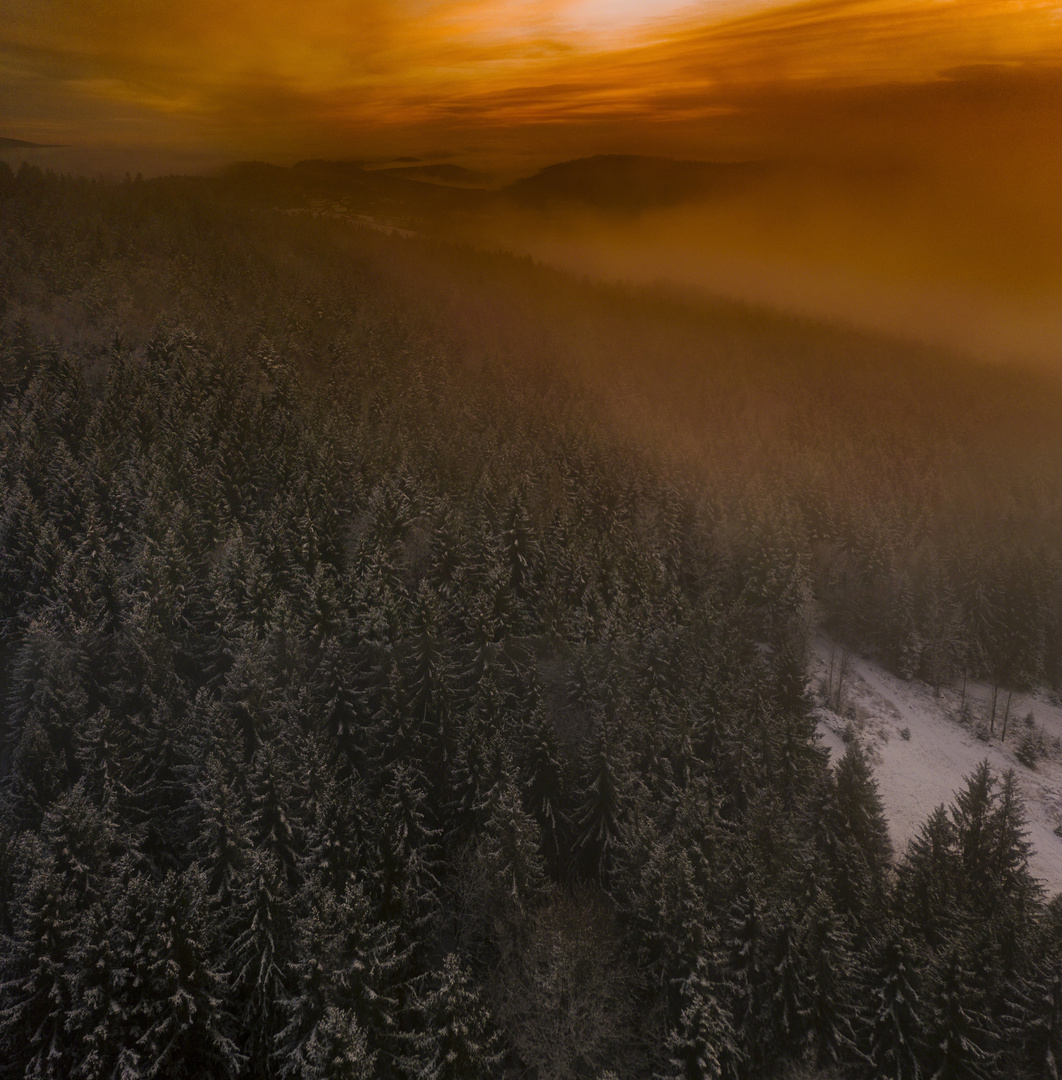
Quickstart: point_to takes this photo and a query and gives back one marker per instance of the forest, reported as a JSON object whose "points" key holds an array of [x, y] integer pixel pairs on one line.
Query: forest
{"points": [[403, 665]]}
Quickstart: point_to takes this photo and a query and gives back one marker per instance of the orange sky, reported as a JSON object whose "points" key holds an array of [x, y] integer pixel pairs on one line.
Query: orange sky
{"points": [[278, 79]]}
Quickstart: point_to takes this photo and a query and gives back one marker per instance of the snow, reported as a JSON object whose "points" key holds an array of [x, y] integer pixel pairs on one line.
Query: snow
{"points": [[915, 775]]}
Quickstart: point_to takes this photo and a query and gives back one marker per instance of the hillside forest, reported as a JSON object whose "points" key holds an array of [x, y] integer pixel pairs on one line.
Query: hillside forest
{"points": [[403, 656]]}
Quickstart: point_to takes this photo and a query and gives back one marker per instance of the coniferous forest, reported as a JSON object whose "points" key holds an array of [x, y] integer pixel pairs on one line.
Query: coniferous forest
{"points": [[403, 666]]}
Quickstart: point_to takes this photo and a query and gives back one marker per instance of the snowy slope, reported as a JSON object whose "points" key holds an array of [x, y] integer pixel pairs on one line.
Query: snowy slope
{"points": [[915, 775]]}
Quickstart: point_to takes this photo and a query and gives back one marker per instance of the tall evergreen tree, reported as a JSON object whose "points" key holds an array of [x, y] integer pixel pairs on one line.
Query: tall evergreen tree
{"points": [[35, 979], [956, 1041], [897, 1026], [457, 1039], [702, 1045], [865, 848], [834, 978]]}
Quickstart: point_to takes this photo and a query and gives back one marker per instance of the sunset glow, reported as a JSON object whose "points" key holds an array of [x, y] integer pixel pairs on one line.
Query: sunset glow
{"points": [[380, 77]]}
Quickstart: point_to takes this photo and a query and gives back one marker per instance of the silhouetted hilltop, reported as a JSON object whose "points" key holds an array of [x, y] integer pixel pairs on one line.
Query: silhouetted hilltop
{"points": [[389, 191], [22, 144], [322, 167], [418, 193], [443, 173], [631, 183]]}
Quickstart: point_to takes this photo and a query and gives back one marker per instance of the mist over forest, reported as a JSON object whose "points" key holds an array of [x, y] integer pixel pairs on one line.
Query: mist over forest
{"points": [[404, 641], [927, 210]]}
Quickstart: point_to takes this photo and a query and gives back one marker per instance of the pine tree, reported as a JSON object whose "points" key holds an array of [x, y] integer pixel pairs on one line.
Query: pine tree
{"points": [[702, 1045], [36, 976], [897, 1029], [407, 848], [260, 954], [834, 982], [457, 1039], [49, 700], [786, 1011], [544, 788], [972, 814], [510, 855], [745, 946], [270, 826], [928, 878], [337, 1050], [800, 760], [1035, 1028], [179, 996], [342, 997], [223, 841], [22, 578], [472, 780], [335, 682], [427, 687], [338, 840], [1017, 890], [865, 849], [371, 976], [97, 1024], [601, 813], [956, 1040], [517, 541]]}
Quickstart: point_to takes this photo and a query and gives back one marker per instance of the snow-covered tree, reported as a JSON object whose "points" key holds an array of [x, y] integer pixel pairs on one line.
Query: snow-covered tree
{"points": [[457, 1039], [897, 1027], [956, 1041], [702, 1045]]}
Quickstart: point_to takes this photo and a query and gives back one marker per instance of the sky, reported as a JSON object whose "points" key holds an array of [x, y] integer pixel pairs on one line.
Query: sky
{"points": [[518, 78]]}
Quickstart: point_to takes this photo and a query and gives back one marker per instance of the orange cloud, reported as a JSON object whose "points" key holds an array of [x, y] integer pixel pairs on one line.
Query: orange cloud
{"points": [[276, 77]]}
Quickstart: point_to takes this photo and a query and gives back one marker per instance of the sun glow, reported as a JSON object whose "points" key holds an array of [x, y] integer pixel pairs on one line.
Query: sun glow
{"points": [[264, 77]]}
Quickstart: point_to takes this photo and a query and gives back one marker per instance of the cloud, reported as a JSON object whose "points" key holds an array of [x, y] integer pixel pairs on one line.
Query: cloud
{"points": [[266, 74]]}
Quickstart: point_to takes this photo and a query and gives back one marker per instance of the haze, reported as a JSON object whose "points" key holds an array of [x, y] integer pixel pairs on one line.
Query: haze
{"points": [[918, 141]]}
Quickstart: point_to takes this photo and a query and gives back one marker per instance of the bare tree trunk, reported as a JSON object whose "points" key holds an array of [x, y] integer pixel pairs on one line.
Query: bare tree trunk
{"points": [[1006, 717], [843, 670], [829, 676]]}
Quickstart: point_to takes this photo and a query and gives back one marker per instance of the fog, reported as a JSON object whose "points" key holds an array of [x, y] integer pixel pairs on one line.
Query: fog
{"points": [[899, 253], [926, 210]]}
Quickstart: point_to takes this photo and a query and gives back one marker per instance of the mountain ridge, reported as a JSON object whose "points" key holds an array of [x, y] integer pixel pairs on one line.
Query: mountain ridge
{"points": [[631, 182]]}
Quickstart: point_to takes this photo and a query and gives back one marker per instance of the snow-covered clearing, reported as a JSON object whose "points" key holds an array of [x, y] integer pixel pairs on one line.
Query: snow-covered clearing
{"points": [[918, 773]]}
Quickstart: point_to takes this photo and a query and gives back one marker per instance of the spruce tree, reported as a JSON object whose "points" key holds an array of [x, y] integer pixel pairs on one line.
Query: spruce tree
{"points": [[956, 1041], [261, 948], [178, 999], [865, 849], [702, 1045], [786, 1010], [338, 1050], [834, 984], [510, 855], [36, 977], [928, 879], [897, 1028], [457, 1039], [1035, 1027]]}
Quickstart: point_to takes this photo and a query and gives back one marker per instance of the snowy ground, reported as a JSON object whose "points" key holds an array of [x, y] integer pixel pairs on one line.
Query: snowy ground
{"points": [[916, 774]]}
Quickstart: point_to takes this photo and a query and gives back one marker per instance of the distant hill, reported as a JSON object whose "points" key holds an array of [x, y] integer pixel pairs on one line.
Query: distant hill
{"points": [[22, 144], [392, 192], [631, 183], [444, 173], [319, 167], [617, 184]]}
